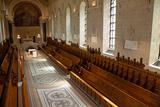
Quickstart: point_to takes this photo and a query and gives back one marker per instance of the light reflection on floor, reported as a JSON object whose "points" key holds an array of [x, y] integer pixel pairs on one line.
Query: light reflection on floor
{"points": [[48, 88]]}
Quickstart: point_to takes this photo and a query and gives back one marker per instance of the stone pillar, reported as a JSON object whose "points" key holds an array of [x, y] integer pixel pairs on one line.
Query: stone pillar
{"points": [[10, 29], [43, 31], [3, 24], [6, 27], [1, 32]]}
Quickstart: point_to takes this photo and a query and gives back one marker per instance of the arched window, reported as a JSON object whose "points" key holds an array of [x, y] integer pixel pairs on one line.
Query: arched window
{"points": [[55, 24], [112, 24], [52, 25], [1, 39], [4, 33], [68, 25], [83, 24], [109, 25], [59, 25], [154, 55]]}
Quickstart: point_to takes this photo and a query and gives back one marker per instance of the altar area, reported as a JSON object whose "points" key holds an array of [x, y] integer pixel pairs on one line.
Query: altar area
{"points": [[30, 48]]}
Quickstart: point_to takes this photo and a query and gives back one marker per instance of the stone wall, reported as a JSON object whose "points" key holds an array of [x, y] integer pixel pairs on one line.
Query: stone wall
{"points": [[26, 33], [133, 22]]}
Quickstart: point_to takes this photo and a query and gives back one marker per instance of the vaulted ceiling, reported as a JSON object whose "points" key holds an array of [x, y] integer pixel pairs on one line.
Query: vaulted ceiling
{"points": [[26, 14], [45, 2]]}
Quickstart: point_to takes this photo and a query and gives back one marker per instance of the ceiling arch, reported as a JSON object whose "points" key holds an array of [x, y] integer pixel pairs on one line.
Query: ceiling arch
{"points": [[43, 8], [26, 14]]}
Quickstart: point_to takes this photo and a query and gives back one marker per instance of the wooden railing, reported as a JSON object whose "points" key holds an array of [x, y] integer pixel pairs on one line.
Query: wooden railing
{"points": [[23, 90]]}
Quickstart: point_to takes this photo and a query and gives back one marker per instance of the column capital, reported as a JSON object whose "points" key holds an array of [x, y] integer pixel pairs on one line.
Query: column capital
{"points": [[10, 19], [43, 19]]}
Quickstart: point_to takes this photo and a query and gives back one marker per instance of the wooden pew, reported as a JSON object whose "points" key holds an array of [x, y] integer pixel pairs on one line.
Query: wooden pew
{"points": [[129, 61], [93, 50], [12, 97], [9, 93], [75, 45], [75, 60], [3, 50], [124, 76], [105, 82], [63, 62], [65, 57], [134, 74], [98, 97]]}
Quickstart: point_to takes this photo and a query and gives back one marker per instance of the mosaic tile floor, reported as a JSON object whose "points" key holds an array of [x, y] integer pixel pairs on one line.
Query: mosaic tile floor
{"points": [[59, 97], [48, 87]]}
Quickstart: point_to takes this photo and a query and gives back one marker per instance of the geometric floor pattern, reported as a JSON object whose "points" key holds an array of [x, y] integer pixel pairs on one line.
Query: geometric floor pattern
{"points": [[40, 67], [59, 97], [45, 79], [49, 88]]}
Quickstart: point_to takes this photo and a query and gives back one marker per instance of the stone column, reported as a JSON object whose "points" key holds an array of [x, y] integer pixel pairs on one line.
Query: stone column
{"points": [[43, 28], [10, 29], [3, 25]]}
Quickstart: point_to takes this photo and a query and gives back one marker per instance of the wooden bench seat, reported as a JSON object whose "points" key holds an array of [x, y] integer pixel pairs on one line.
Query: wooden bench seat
{"points": [[130, 88], [64, 60], [10, 68], [1, 89], [64, 57], [75, 60], [113, 93], [57, 58]]}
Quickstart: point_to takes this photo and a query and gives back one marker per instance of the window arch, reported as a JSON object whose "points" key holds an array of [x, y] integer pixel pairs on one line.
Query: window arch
{"points": [[154, 55], [4, 32], [83, 24], [55, 24], [112, 24], [68, 25], [1, 38], [52, 28], [109, 25], [59, 24]]}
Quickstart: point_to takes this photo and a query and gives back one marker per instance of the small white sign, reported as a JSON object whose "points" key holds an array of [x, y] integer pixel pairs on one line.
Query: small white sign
{"points": [[133, 45], [94, 39]]}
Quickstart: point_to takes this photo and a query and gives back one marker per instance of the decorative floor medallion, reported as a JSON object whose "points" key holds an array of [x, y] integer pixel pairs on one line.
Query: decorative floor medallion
{"points": [[39, 68], [46, 79], [59, 97]]}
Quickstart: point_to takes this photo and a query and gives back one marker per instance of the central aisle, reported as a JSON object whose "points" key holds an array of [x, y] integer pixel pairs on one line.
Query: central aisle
{"points": [[49, 86]]}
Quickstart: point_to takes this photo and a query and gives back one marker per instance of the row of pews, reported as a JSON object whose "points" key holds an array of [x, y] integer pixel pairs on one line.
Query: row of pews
{"points": [[120, 82], [13, 87], [8, 75]]}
